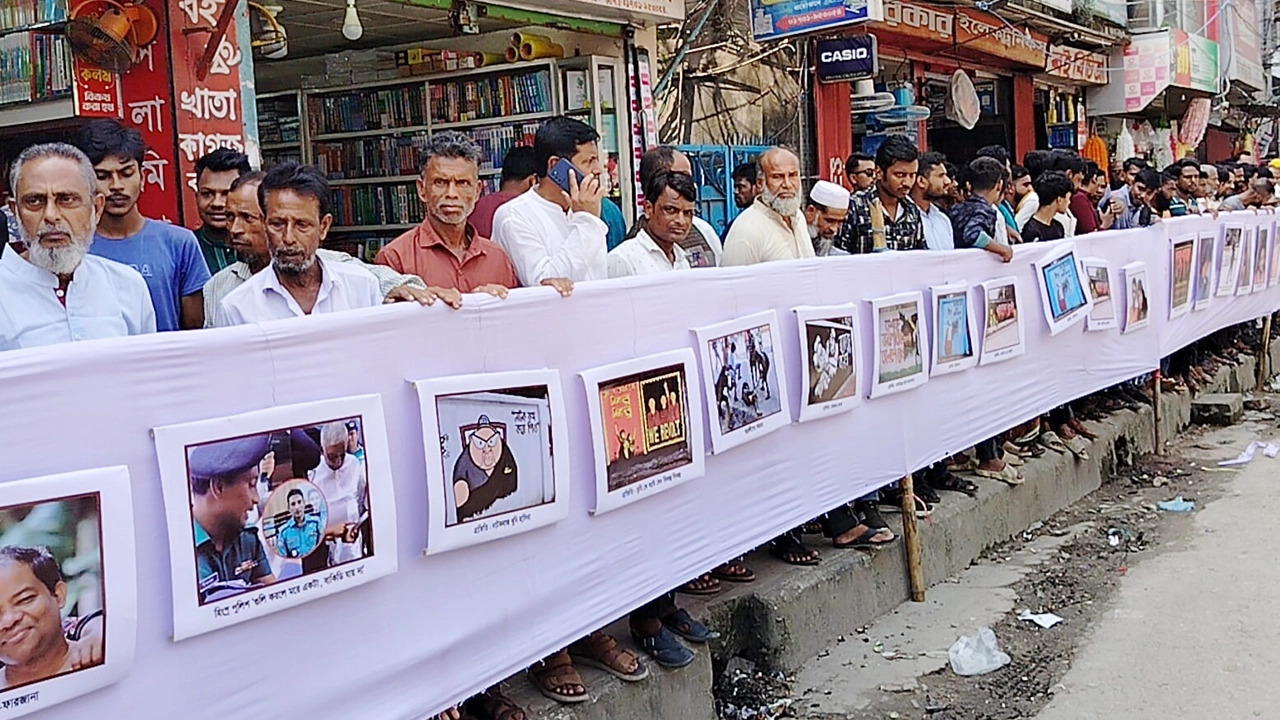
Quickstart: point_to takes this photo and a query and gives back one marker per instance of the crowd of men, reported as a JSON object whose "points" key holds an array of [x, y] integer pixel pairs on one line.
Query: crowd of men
{"points": [[84, 263]]}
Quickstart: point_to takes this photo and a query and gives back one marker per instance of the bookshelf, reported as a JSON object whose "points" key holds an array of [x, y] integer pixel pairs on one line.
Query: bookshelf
{"points": [[368, 138], [35, 58], [280, 128]]}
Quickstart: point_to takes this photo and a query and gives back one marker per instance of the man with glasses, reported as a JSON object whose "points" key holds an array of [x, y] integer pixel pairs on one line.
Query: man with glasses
{"points": [[860, 171]]}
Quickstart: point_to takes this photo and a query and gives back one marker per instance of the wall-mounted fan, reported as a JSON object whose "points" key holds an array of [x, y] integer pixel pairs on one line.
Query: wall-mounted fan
{"points": [[963, 106], [903, 111], [108, 34], [270, 41], [866, 100]]}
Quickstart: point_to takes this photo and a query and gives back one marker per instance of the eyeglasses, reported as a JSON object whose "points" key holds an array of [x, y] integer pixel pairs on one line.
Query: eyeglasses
{"points": [[869, 172]]}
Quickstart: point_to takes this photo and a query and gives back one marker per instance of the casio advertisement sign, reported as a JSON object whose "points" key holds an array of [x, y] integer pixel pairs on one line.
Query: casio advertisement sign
{"points": [[851, 58]]}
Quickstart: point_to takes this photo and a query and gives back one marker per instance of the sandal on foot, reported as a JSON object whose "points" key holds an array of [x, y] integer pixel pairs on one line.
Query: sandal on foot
{"points": [[1009, 475], [955, 483], [869, 514], [866, 539], [552, 676], [495, 705], [1012, 448], [1051, 440], [793, 552], [1079, 447], [893, 503], [602, 652], [702, 585], [1080, 429], [964, 465], [734, 571], [682, 623], [665, 649], [1014, 459]]}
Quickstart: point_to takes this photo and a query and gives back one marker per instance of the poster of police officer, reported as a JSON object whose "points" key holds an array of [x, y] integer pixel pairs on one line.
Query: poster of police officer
{"points": [[274, 508], [68, 594], [492, 468]]}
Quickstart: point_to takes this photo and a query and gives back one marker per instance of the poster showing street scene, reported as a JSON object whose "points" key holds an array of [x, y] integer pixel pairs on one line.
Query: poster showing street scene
{"points": [[271, 509], [1229, 259], [1061, 291], [1262, 241], [646, 427], [830, 353], [901, 343], [1003, 332], [741, 373], [497, 456], [68, 587], [1137, 302], [1097, 273], [954, 347], [1206, 249], [1244, 277], [1183, 254]]}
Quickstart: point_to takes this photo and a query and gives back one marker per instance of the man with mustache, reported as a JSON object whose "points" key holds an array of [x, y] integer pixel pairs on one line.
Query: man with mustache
{"points": [[56, 292], [168, 256], [774, 227], [215, 172], [445, 250], [883, 217], [248, 240]]}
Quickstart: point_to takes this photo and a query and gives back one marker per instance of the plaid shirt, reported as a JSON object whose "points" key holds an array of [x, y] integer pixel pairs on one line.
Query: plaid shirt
{"points": [[906, 233]]}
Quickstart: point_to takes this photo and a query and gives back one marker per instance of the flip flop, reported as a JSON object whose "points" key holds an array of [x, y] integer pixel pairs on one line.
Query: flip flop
{"points": [[864, 541], [786, 547], [1050, 439], [1009, 476]]}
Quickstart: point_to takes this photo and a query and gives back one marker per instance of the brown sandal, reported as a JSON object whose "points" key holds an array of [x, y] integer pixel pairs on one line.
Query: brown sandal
{"points": [[493, 705], [602, 652], [553, 675], [734, 571], [702, 585]]}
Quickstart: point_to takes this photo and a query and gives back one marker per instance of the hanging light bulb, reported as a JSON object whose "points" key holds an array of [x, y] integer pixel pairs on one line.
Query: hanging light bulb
{"points": [[351, 27]]}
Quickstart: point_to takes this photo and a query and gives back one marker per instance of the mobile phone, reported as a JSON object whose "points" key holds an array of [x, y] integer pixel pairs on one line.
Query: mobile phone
{"points": [[560, 173]]}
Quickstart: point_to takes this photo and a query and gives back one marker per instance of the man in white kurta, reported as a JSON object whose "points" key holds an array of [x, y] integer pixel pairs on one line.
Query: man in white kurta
{"points": [[774, 227], [344, 488]]}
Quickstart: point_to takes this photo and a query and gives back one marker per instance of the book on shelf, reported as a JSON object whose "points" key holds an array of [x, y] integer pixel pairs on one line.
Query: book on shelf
{"points": [[394, 204], [577, 95], [491, 97], [278, 120], [381, 109], [16, 14], [34, 66], [370, 157]]}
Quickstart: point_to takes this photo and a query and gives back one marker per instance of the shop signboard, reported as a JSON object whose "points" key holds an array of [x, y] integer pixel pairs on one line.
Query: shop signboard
{"points": [[918, 21], [1078, 65], [1195, 62], [987, 33], [1146, 69], [773, 19], [1244, 64], [850, 58], [97, 91], [147, 99]]}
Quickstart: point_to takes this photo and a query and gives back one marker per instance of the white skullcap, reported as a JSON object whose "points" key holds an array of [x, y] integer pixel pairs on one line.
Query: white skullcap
{"points": [[829, 194]]}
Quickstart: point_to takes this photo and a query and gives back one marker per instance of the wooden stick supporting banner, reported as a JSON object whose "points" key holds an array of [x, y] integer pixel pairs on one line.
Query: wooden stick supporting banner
{"points": [[911, 537], [1264, 357], [1155, 408]]}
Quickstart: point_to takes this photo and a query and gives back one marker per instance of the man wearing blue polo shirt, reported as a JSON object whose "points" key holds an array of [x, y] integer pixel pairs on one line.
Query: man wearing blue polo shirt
{"points": [[301, 535], [168, 256]]}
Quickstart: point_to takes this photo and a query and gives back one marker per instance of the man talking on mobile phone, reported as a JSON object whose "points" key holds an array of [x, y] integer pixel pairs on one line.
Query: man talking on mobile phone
{"points": [[553, 232]]}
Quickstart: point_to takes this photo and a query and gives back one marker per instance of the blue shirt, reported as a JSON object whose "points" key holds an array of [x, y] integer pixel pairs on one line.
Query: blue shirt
{"points": [[295, 541], [169, 259], [611, 214]]}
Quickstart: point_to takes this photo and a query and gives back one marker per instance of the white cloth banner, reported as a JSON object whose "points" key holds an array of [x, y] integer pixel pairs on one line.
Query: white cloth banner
{"points": [[449, 624]]}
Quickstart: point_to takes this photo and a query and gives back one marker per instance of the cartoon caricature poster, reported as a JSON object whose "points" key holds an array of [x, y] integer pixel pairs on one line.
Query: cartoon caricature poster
{"points": [[491, 468]]}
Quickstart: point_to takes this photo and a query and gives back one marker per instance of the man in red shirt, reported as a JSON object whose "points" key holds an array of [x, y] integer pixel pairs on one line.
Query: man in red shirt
{"points": [[519, 173]]}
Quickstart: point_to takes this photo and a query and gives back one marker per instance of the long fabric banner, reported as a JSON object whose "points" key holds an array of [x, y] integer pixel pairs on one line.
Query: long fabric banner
{"points": [[435, 500]]}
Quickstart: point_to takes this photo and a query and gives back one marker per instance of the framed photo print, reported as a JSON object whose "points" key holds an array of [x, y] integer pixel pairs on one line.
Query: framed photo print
{"points": [[274, 508], [954, 345], [1206, 249], [1003, 332], [1062, 292], [831, 357], [1273, 267], [646, 426], [69, 587], [1137, 302], [497, 455], [1102, 316], [901, 343], [1244, 277], [1230, 259], [742, 379], [1261, 243], [1183, 255]]}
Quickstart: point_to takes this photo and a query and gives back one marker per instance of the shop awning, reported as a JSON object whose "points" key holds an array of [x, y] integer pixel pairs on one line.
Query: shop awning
{"points": [[964, 33]]}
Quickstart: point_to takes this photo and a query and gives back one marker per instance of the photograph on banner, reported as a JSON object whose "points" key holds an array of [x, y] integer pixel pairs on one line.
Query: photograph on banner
{"points": [[497, 455], [901, 343], [1206, 248], [1244, 278], [741, 379], [1061, 291], [1102, 316], [1273, 245], [273, 508], [953, 329], [1003, 334], [1137, 305], [1182, 251], [68, 587], [831, 348], [1262, 237], [646, 426], [1229, 259]]}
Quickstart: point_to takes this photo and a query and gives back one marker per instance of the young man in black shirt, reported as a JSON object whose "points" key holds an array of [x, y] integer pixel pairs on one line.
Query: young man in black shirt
{"points": [[1054, 190]]}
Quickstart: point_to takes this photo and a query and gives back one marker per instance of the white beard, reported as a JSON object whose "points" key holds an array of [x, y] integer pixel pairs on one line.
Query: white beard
{"points": [[61, 260], [786, 207], [292, 268]]}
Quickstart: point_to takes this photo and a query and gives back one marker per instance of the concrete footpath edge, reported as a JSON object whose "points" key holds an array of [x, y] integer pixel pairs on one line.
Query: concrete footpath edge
{"points": [[789, 614]]}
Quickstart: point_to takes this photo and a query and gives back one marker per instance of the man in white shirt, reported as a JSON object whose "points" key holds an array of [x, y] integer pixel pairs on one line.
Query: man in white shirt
{"points": [[247, 238], [825, 214], [669, 202], [702, 244], [554, 235], [59, 293], [296, 199], [342, 479], [773, 228], [933, 184]]}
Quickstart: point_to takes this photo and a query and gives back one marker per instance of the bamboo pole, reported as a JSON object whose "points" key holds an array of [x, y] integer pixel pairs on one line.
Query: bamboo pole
{"points": [[911, 538], [1155, 408], [1264, 357]]}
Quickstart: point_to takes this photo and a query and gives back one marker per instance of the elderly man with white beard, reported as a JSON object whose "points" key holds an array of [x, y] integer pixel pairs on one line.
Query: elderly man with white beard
{"points": [[773, 228], [56, 292]]}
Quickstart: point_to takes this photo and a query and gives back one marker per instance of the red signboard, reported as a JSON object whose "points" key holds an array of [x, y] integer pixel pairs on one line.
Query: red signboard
{"points": [[97, 92]]}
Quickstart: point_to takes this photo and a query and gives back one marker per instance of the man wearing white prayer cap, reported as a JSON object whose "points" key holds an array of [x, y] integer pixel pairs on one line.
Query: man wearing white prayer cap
{"points": [[828, 207]]}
